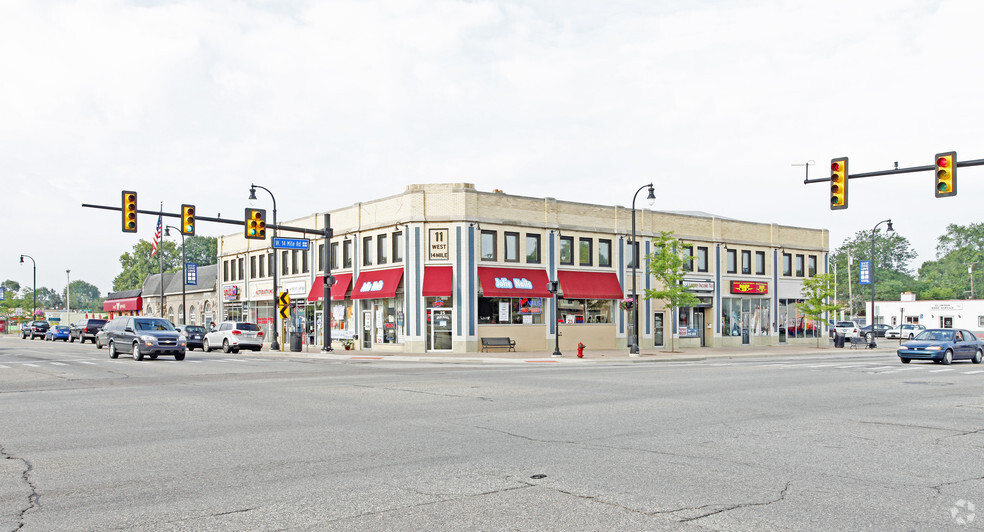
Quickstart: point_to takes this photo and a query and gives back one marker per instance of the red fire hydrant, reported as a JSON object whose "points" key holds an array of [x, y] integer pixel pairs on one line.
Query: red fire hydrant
{"points": [[580, 350]]}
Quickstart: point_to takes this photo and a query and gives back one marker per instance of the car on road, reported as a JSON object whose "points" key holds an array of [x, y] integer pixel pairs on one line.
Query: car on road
{"points": [[942, 346], [58, 332], [86, 330], [144, 336], [34, 329], [232, 336], [847, 329], [195, 335], [880, 330], [906, 330]]}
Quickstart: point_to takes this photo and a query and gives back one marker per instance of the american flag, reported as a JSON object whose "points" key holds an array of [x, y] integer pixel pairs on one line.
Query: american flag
{"points": [[157, 236]]}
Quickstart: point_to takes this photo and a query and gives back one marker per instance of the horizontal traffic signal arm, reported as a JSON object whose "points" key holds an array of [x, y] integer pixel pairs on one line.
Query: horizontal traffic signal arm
{"points": [[927, 168], [177, 215]]}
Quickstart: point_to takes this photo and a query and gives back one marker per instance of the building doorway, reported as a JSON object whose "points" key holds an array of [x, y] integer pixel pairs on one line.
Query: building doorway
{"points": [[439, 329], [658, 334], [367, 329], [699, 324]]}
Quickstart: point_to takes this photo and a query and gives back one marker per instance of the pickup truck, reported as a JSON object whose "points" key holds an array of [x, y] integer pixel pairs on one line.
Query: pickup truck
{"points": [[86, 329], [34, 329]]}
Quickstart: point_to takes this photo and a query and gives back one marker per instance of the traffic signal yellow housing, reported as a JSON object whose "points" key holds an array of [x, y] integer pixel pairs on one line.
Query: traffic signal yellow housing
{"points": [[838, 183], [187, 219], [129, 211], [946, 174], [255, 224]]}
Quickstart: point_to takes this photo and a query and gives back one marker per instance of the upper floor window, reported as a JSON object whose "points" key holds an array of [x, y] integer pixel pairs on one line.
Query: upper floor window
{"points": [[488, 245], [746, 261], [333, 255], [532, 248], [347, 254], [702, 259], [787, 264], [604, 252], [585, 252], [760, 262], [799, 265], [382, 249], [812, 265], [367, 251], [567, 250], [731, 260], [398, 246], [510, 243], [688, 258]]}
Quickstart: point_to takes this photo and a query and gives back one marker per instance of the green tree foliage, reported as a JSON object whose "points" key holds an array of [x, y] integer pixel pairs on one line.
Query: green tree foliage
{"points": [[84, 296], [200, 250], [12, 287], [959, 254], [818, 292], [138, 264], [666, 265], [893, 253]]}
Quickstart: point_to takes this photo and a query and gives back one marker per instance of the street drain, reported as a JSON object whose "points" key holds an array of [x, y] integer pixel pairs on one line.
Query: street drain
{"points": [[538, 476]]}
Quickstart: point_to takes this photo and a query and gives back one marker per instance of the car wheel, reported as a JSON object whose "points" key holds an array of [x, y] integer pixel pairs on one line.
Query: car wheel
{"points": [[905, 360], [978, 356], [910, 336], [137, 354], [71, 338], [947, 357], [235, 350], [179, 356], [225, 346], [112, 351], [205, 346], [98, 344]]}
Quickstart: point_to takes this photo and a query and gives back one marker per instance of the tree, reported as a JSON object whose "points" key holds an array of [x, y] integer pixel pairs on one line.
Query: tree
{"points": [[893, 253], [959, 255], [201, 250], [84, 295], [666, 265], [12, 287], [138, 264], [818, 292]]}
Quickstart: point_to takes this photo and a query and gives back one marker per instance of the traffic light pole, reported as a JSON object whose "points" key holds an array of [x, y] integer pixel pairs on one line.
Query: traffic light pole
{"points": [[329, 281], [926, 168]]}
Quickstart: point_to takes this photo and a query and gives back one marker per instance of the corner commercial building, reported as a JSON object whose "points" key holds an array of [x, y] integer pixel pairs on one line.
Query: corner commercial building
{"points": [[441, 266]]}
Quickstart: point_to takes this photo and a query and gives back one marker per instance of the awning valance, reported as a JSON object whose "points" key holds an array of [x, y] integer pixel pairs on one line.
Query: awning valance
{"points": [[437, 281], [120, 305], [377, 284], [338, 291], [590, 285], [513, 282]]}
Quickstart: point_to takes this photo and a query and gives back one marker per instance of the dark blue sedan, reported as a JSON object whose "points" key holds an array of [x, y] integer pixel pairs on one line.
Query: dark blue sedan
{"points": [[57, 332], [942, 346]]}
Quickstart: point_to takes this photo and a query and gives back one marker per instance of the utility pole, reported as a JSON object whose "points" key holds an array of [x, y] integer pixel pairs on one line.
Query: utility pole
{"points": [[850, 288]]}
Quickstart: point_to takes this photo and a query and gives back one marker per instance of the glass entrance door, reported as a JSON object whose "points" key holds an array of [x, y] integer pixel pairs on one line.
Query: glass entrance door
{"points": [[699, 324], [367, 329], [658, 329], [439, 329]]}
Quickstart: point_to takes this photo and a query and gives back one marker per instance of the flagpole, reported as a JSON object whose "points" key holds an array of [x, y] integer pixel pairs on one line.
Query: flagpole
{"points": [[160, 259]]}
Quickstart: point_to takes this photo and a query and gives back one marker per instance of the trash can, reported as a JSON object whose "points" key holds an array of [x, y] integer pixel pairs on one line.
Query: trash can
{"points": [[295, 342], [838, 340]]}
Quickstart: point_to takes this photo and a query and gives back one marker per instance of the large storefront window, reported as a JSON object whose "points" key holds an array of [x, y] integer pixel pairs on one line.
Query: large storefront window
{"points": [[515, 310], [742, 316], [795, 324], [585, 310]]}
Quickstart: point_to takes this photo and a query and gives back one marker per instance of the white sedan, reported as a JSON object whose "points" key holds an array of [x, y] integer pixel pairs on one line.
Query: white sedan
{"points": [[906, 330]]}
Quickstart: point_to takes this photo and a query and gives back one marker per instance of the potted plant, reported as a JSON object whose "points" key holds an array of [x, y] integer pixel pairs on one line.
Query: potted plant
{"points": [[347, 344], [625, 304]]}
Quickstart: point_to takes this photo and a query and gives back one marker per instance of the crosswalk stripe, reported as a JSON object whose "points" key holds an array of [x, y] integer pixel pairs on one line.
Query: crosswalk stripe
{"points": [[975, 372], [58, 364], [4, 367], [940, 370], [33, 365]]}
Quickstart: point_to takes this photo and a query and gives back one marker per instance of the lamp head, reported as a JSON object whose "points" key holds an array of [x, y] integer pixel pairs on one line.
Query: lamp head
{"points": [[652, 196], [890, 229], [252, 195], [167, 231], [22, 259]]}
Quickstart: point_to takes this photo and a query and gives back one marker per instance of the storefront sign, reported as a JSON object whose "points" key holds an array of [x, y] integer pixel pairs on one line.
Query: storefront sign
{"points": [[504, 283], [297, 290], [684, 332], [371, 286], [503, 312], [699, 286], [945, 307], [530, 305], [439, 249], [230, 293], [749, 287]]}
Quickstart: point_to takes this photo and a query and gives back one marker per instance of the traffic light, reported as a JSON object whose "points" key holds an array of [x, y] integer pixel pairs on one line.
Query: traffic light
{"points": [[946, 174], [255, 224], [838, 183], [187, 219], [129, 211]]}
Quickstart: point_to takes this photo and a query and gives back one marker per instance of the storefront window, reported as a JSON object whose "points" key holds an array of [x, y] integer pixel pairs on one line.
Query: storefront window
{"points": [[795, 324], [585, 310], [745, 315], [514, 310]]}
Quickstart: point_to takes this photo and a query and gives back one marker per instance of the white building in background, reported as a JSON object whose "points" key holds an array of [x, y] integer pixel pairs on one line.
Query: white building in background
{"points": [[946, 314]]}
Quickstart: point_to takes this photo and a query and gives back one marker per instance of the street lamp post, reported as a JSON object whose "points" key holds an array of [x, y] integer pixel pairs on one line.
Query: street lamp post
{"points": [[274, 345], [34, 286], [553, 287], [68, 304], [634, 322], [184, 273], [872, 275]]}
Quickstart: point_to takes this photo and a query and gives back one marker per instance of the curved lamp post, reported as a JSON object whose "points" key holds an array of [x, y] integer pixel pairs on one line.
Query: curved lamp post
{"points": [[634, 321], [184, 273], [872, 275], [34, 287], [274, 345]]}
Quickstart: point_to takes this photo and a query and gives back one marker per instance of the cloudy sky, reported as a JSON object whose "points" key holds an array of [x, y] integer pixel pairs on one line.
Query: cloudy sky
{"points": [[328, 103]]}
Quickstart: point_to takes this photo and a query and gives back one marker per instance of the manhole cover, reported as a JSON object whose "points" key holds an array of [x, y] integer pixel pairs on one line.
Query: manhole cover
{"points": [[538, 476]]}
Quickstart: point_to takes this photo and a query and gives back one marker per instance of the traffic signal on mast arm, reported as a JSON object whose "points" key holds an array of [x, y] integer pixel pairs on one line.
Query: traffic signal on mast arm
{"points": [[838, 183], [188, 219], [129, 211], [255, 224], [946, 174]]}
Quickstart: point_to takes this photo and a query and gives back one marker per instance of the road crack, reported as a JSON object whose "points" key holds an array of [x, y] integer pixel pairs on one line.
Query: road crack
{"points": [[33, 498]]}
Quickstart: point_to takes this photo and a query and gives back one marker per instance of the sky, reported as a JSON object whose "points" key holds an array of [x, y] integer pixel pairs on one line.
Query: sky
{"points": [[329, 103]]}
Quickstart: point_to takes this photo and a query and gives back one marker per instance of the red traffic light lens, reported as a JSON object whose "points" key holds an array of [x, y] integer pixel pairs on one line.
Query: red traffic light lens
{"points": [[943, 162], [835, 167]]}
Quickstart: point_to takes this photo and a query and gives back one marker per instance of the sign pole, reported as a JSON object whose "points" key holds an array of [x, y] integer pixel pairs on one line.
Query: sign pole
{"points": [[329, 281]]}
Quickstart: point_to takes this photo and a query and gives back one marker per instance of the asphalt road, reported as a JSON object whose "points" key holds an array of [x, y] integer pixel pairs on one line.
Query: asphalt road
{"points": [[840, 441]]}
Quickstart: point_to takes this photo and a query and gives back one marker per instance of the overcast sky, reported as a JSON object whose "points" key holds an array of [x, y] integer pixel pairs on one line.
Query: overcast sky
{"points": [[331, 103]]}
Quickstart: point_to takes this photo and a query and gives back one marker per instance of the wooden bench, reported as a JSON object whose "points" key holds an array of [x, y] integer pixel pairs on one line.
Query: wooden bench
{"points": [[858, 340], [498, 341]]}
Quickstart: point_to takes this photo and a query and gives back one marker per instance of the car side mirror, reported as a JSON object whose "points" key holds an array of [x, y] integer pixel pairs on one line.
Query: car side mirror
{"points": [[128, 329]]}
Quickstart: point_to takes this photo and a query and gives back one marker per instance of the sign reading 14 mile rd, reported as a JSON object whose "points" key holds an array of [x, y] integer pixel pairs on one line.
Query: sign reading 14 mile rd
{"points": [[291, 243]]}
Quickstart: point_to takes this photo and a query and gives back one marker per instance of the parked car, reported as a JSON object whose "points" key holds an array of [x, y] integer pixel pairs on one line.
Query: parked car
{"points": [[880, 330], [906, 330], [102, 338], [85, 329], [943, 346], [232, 336], [58, 332], [144, 336], [195, 335], [847, 329], [34, 329]]}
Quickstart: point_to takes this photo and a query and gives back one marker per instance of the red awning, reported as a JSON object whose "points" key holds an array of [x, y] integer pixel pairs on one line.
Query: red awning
{"points": [[119, 305], [513, 282], [338, 291], [590, 285], [437, 281], [377, 284]]}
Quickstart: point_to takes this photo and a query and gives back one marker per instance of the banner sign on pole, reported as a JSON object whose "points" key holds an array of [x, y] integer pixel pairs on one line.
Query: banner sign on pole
{"points": [[865, 271], [191, 271]]}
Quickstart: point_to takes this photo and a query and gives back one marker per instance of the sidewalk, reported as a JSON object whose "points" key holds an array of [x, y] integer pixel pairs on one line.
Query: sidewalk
{"points": [[595, 356]]}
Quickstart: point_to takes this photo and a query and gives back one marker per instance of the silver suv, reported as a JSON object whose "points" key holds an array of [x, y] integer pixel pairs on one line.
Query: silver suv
{"points": [[847, 329], [232, 336], [142, 336]]}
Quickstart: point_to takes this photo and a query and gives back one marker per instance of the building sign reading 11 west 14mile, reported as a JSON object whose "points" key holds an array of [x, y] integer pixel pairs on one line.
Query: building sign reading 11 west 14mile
{"points": [[439, 244]]}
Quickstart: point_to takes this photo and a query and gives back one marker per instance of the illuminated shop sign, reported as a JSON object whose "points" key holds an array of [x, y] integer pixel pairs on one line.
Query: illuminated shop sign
{"points": [[749, 287], [520, 283]]}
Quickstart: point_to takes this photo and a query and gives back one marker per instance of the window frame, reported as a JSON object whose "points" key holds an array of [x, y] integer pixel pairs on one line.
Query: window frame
{"points": [[382, 246], [397, 247], [811, 265], [569, 240], [607, 244], [687, 250], [536, 239], [800, 265], [510, 242], [367, 250], [494, 245], [731, 260], [581, 241], [787, 264], [746, 262], [702, 259], [760, 263]]}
